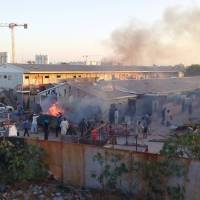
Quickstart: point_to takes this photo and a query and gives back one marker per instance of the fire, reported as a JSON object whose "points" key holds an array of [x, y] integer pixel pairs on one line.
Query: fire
{"points": [[55, 110]]}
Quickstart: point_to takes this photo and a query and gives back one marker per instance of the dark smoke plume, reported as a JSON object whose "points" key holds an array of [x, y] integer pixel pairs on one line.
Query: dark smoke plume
{"points": [[175, 39]]}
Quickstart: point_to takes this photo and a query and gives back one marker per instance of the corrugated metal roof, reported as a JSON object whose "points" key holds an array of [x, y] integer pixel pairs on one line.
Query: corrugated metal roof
{"points": [[132, 88], [93, 68], [95, 90], [155, 86]]}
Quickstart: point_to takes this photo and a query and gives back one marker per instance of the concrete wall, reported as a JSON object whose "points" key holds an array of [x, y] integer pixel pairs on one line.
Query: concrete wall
{"points": [[10, 76], [10, 80], [74, 164], [54, 157]]}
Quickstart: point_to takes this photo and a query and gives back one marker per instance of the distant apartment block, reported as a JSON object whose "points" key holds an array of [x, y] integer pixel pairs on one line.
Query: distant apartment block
{"points": [[4, 58], [93, 62], [41, 59]]}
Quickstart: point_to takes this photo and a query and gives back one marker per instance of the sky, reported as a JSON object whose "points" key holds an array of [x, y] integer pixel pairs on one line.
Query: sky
{"points": [[67, 30]]}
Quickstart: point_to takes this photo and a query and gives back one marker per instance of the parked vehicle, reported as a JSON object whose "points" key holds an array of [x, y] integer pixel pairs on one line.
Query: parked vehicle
{"points": [[5, 108]]}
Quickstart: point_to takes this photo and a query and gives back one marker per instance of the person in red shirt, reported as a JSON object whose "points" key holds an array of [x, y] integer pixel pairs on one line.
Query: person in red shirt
{"points": [[94, 134]]}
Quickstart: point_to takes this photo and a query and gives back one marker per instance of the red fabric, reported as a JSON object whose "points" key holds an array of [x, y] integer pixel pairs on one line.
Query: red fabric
{"points": [[95, 135]]}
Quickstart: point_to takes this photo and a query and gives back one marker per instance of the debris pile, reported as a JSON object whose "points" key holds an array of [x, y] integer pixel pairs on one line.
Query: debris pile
{"points": [[44, 191]]}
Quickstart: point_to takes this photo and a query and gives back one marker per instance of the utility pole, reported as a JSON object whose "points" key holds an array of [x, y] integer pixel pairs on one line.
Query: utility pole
{"points": [[12, 27]]}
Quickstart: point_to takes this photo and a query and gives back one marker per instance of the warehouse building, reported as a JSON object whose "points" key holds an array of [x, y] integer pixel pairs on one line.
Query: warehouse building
{"points": [[13, 75]]}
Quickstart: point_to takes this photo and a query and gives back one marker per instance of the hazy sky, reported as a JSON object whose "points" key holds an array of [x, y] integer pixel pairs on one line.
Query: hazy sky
{"points": [[69, 29]]}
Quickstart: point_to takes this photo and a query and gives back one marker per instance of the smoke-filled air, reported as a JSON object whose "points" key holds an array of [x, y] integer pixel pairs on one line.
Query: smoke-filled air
{"points": [[175, 39]]}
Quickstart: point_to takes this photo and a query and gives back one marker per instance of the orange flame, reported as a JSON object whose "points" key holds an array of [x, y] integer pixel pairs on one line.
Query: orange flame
{"points": [[55, 110]]}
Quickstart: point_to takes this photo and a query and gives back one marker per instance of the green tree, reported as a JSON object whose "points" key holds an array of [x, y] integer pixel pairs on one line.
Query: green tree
{"points": [[193, 70], [184, 146]]}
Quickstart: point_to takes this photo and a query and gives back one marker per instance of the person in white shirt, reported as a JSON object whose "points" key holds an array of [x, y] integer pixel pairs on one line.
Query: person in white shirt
{"points": [[34, 127], [116, 116], [64, 126], [12, 130]]}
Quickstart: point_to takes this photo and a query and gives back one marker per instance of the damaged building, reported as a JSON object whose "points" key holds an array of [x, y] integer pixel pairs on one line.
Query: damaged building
{"points": [[133, 98]]}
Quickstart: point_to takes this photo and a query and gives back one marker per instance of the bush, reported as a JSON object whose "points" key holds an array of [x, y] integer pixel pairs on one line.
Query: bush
{"points": [[21, 162]]}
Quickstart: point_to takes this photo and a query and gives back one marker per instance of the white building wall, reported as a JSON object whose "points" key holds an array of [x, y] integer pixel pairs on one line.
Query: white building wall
{"points": [[10, 80], [10, 76]]}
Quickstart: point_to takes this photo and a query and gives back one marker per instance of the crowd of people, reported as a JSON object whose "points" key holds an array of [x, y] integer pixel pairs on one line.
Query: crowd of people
{"points": [[87, 129]]}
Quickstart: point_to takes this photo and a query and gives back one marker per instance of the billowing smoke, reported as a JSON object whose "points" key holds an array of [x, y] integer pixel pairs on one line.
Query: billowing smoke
{"points": [[86, 107], [75, 108], [175, 39]]}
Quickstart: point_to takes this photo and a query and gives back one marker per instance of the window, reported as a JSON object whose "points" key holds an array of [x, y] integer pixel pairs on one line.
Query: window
{"points": [[5, 76], [74, 76], [46, 77], [58, 76], [26, 77]]}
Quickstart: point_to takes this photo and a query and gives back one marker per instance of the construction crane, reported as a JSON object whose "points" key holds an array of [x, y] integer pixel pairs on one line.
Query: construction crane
{"points": [[12, 28]]}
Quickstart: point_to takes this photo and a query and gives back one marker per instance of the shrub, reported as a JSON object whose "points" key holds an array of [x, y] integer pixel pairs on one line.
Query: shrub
{"points": [[21, 162]]}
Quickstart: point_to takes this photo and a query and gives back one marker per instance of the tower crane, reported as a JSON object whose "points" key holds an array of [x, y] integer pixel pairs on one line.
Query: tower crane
{"points": [[12, 28]]}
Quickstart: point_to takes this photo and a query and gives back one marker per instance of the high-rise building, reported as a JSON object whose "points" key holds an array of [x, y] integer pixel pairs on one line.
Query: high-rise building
{"points": [[41, 59], [4, 58]]}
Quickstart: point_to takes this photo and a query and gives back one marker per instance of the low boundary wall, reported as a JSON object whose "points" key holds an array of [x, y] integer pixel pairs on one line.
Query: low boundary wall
{"points": [[73, 164]]}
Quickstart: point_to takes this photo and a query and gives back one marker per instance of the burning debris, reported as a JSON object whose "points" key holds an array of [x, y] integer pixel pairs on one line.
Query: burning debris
{"points": [[55, 110]]}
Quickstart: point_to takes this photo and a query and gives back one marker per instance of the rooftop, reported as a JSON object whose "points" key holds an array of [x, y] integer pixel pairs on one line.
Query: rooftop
{"points": [[155, 86], [123, 89], [94, 68]]}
